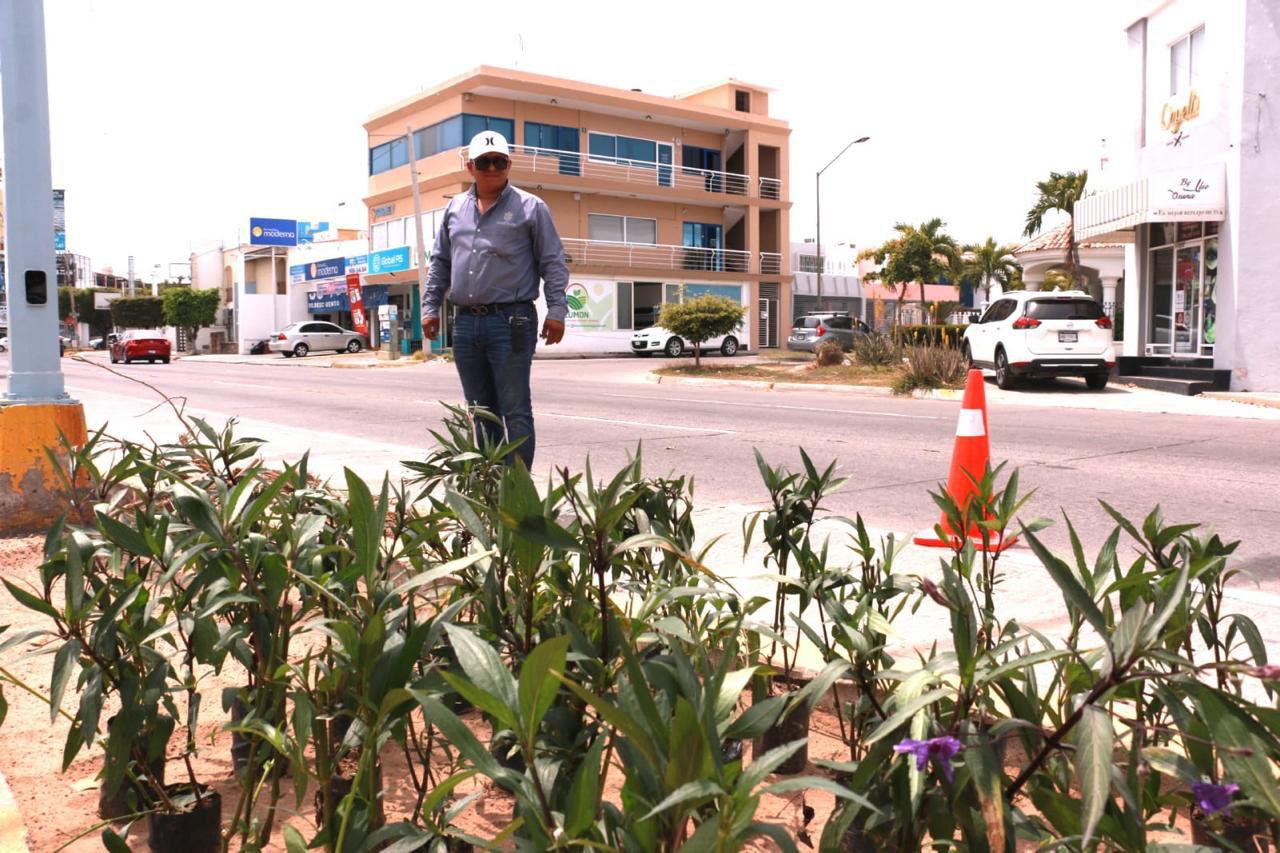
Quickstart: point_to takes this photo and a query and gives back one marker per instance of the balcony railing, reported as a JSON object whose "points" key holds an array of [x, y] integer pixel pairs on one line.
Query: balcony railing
{"points": [[771, 188], [551, 161], [654, 256], [770, 263]]}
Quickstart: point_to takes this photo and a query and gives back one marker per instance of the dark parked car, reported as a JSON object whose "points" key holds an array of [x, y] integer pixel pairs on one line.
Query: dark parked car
{"points": [[810, 330], [139, 344]]}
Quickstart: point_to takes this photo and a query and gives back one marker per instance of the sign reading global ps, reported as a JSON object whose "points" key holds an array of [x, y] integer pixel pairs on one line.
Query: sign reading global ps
{"points": [[389, 260], [273, 232]]}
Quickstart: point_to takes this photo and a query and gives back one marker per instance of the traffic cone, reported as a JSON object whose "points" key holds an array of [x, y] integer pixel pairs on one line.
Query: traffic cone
{"points": [[970, 457]]}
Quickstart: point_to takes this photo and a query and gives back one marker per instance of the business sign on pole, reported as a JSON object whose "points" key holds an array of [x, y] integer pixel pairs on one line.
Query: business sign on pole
{"points": [[59, 220], [102, 301], [328, 268], [389, 260], [307, 231], [359, 322], [273, 232], [358, 263]]}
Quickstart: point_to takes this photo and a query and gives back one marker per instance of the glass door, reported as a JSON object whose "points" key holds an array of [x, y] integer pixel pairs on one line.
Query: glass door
{"points": [[1186, 301], [666, 175], [1159, 333]]}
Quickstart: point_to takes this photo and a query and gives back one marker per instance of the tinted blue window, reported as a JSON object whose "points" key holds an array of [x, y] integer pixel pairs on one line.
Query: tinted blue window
{"points": [[637, 149], [555, 138], [473, 124], [388, 155], [438, 137], [603, 146]]}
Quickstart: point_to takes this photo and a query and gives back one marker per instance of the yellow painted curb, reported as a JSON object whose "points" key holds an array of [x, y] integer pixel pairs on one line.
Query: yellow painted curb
{"points": [[13, 835], [29, 496]]}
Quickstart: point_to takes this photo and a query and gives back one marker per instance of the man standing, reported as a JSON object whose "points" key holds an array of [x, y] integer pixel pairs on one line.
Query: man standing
{"points": [[494, 244]]}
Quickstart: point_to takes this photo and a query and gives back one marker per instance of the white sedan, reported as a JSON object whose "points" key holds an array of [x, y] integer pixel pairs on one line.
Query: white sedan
{"points": [[657, 339]]}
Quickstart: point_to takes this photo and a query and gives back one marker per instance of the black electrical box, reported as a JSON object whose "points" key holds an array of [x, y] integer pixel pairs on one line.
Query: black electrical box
{"points": [[37, 287]]}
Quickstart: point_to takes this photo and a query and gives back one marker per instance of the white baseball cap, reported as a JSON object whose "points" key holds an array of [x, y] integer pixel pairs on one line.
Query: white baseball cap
{"points": [[488, 142]]}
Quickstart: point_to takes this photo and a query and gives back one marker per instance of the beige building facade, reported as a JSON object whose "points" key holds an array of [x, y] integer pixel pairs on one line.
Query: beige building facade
{"points": [[656, 198]]}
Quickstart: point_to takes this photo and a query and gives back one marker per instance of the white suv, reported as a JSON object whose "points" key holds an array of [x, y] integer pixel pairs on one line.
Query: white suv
{"points": [[1042, 334]]}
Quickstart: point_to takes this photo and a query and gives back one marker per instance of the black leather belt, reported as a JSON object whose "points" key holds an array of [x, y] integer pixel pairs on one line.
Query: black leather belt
{"points": [[488, 308]]}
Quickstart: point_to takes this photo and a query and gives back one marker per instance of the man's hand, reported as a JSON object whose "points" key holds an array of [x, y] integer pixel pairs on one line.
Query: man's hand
{"points": [[430, 327], [552, 331]]}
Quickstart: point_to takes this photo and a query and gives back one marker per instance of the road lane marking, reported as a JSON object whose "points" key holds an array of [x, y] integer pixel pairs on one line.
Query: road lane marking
{"points": [[277, 388], [810, 409]]}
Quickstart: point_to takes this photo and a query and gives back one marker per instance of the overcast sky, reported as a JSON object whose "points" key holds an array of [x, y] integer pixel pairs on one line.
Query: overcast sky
{"points": [[173, 122]]}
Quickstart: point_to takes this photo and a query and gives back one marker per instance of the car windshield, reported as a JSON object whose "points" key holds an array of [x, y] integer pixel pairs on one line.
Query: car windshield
{"points": [[1064, 309]]}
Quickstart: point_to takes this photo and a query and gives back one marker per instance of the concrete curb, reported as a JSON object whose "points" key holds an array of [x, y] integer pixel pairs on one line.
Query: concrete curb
{"points": [[13, 834], [1268, 402]]}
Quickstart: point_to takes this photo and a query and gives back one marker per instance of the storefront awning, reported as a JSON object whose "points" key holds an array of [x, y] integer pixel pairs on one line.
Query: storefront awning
{"points": [[1192, 195]]}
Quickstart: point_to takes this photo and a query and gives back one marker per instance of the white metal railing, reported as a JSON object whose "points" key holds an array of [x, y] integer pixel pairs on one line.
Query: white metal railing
{"points": [[550, 161], [654, 256], [770, 263], [771, 188]]}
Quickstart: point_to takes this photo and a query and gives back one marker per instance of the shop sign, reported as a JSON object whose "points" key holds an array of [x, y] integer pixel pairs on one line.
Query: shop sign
{"points": [[590, 305], [273, 232], [384, 210], [59, 220], [102, 301], [389, 260], [329, 268], [359, 321], [1174, 116], [309, 232], [327, 301], [297, 273], [1188, 196], [374, 296], [358, 263]]}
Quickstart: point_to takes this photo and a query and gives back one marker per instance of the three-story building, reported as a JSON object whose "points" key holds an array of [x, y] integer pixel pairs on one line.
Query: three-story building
{"points": [[656, 198]]}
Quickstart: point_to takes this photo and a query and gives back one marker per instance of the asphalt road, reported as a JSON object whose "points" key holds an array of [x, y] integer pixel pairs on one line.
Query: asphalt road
{"points": [[1216, 470]]}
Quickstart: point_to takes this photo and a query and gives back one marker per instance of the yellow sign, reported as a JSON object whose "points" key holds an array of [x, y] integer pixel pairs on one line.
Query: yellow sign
{"points": [[1173, 117]]}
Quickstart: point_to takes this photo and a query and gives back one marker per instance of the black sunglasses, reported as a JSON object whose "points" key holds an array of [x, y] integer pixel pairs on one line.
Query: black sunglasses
{"points": [[485, 164]]}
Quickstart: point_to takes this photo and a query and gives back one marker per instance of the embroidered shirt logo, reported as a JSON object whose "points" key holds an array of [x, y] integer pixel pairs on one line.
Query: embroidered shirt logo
{"points": [[506, 217]]}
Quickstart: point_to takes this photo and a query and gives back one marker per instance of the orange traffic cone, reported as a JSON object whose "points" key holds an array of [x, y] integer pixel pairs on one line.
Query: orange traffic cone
{"points": [[969, 459]]}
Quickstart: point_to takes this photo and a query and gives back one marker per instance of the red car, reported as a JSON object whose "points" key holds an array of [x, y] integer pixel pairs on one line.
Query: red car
{"points": [[139, 344]]}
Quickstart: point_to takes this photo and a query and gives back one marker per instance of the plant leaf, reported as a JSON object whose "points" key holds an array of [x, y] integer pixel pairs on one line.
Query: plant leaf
{"points": [[1094, 742]]}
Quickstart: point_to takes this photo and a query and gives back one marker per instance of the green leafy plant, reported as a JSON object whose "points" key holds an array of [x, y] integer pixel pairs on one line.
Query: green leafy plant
{"points": [[702, 318]]}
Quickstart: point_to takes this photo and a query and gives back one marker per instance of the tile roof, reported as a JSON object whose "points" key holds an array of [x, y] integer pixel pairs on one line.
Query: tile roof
{"points": [[1057, 240]]}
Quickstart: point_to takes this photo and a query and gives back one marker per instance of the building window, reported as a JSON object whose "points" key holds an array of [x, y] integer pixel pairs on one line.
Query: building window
{"points": [[807, 263], [622, 149], [1186, 58], [550, 137], [622, 229], [378, 236], [388, 155], [456, 131], [742, 101]]}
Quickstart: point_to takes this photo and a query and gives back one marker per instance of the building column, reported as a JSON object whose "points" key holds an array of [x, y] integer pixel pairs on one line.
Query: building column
{"points": [[1133, 302], [1109, 284]]}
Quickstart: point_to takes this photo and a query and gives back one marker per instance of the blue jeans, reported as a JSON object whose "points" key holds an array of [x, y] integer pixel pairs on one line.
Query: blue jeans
{"points": [[493, 354]]}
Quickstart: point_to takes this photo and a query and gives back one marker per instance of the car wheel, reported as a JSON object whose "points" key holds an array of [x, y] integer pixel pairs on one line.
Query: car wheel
{"points": [[674, 348], [730, 347], [127, 360], [301, 350], [1004, 374], [968, 356], [164, 360], [1097, 381], [287, 354], [354, 345]]}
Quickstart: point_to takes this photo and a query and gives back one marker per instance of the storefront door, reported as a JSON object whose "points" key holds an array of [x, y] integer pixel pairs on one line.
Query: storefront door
{"points": [[1182, 270]]}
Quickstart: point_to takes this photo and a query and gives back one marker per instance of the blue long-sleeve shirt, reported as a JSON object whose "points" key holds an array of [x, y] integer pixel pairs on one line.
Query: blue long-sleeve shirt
{"points": [[497, 256]]}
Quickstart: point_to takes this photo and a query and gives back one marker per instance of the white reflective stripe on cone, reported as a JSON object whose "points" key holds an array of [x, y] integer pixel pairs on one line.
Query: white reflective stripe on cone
{"points": [[970, 424]]}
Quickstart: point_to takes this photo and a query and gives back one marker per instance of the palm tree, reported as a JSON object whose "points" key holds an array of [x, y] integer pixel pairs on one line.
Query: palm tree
{"points": [[935, 252], [992, 262], [1060, 192]]}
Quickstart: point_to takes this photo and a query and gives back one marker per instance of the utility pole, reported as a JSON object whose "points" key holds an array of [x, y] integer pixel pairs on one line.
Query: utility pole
{"points": [[36, 414], [417, 224], [132, 287]]}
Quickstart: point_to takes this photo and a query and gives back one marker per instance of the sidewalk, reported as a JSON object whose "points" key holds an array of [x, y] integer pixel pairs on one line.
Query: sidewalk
{"points": [[1065, 393]]}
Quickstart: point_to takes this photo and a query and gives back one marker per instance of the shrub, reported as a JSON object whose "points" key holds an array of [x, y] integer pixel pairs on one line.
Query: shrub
{"points": [[876, 350], [829, 354], [931, 367], [936, 335], [701, 319], [139, 312]]}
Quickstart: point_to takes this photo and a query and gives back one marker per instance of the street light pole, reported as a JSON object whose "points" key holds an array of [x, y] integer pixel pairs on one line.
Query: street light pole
{"points": [[817, 199]]}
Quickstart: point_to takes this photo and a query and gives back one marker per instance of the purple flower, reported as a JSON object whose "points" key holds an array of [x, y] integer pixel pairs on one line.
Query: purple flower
{"points": [[1267, 672], [1213, 798], [939, 749]]}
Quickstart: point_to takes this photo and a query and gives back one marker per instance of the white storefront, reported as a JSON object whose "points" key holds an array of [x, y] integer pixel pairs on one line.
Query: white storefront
{"points": [[1194, 188]]}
